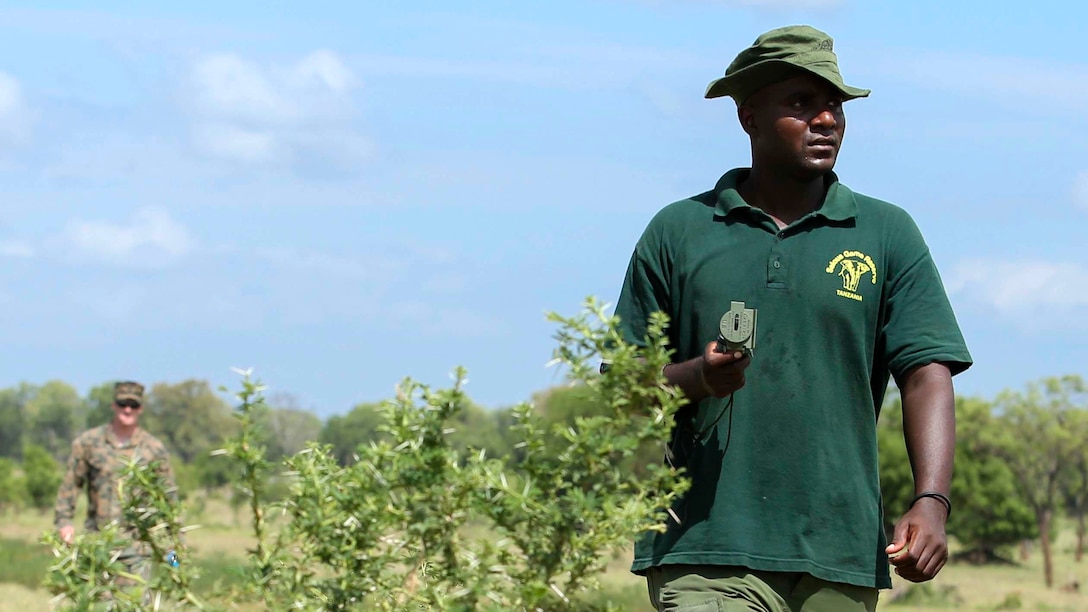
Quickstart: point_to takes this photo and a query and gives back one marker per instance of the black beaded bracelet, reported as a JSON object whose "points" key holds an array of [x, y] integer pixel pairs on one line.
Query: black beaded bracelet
{"points": [[941, 497]]}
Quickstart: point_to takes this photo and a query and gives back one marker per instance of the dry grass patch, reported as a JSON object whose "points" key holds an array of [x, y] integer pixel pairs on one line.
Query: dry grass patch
{"points": [[223, 542], [18, 597]]}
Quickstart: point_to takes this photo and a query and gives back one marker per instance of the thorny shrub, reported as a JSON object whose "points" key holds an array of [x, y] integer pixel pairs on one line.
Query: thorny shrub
{"points": [[414, 523]]}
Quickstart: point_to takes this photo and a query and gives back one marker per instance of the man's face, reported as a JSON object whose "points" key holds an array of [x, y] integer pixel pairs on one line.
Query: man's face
{"points": [[127, 412], [796, 125]]}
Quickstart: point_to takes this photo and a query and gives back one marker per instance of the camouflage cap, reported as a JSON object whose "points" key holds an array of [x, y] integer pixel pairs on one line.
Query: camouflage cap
{"points": [[776, 55], [128, 390]]}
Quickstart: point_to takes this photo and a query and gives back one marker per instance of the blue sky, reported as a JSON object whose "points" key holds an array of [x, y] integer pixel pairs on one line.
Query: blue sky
{"points": [[340, 195]]}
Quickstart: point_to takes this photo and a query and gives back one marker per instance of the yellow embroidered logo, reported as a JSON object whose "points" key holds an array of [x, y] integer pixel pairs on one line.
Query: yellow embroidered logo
{"points": [[852, 266]]}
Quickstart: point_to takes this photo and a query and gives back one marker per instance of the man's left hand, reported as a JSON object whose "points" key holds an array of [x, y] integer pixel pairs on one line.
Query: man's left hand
{"points": [[919, 548]]}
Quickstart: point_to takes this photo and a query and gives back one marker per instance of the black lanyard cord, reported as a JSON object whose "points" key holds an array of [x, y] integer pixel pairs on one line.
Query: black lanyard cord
{"points": [[728, 408]]}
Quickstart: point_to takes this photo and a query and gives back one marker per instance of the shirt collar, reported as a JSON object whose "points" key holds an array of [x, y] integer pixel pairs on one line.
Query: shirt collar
{"points": [[838, 204], [111, 437]]}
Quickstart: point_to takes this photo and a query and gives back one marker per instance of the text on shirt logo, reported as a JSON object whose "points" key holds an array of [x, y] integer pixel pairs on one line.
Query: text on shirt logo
{"points": [[852, 266]]}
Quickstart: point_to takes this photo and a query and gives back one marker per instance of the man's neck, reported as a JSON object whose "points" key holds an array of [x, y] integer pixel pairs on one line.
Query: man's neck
{"points": [[784, 198]]}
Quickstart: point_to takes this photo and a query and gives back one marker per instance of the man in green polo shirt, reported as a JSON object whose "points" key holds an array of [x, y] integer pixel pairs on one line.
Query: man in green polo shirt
{"points": [[785, 510]]}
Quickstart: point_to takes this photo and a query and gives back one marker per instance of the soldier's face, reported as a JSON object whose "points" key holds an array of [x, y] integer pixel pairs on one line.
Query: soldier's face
{"points": [[127, 412]]}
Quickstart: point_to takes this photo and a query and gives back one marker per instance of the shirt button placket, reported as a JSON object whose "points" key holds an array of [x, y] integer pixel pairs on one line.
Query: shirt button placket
{"points": [[776, 272]]}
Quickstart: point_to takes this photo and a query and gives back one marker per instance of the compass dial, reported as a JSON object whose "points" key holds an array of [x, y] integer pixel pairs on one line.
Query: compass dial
{"points": [[736, 327]]}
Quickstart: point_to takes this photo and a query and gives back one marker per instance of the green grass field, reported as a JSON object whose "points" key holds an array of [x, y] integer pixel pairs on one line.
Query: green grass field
{"points": [[219, 546]]}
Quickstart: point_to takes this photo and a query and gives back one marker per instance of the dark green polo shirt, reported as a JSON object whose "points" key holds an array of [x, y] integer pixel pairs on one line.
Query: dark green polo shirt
{"points": [[847, 296]]}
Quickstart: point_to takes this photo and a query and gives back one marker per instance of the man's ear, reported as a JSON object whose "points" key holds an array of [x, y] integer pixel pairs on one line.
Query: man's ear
{"points": [[747, 118]]}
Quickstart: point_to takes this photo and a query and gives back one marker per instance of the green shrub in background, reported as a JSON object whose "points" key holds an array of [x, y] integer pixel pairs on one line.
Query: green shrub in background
{"points": [[41, 475], [991, 515], [12, 489], [421, 521]]}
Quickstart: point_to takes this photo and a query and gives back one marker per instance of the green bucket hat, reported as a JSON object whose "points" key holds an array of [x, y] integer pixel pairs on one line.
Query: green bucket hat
{"points": [[777, 54]]}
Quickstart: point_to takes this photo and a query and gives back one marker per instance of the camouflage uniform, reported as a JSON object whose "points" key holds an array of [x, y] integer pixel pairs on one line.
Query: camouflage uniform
{"points": [[95, 464]]}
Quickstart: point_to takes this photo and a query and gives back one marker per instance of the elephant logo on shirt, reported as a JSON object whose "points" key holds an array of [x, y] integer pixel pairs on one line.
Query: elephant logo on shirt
{"points": [[852, 267], [851, 271]]}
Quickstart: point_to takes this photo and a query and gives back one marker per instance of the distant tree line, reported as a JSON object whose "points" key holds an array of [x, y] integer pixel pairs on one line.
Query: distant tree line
{"points": [[38, 424], [1021, 458], [1021, 462]]}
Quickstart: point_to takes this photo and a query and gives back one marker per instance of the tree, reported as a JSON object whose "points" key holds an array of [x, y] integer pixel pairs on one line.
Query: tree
{"points": [[346, 432], [476, 428], [99, 404], [1074, 483], [1035, 443], [11, 489], [188, 417], [287, 428], [473, 427], [12, 420], [505, 419], [41, 475], [56, 414], [990, 511], [564, 405], [212, 472]]}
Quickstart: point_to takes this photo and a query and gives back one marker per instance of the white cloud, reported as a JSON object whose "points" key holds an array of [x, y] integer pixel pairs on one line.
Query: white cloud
{"points": [[1064, 86], [562, 65], [1080, 190], [228, 86], [1033, 294], [16, 248], [445, 284], [259, 114], [232, 142], [442, 320], [151, 237], [16, 117], [367, 267], [11, 95], [325, 68]]}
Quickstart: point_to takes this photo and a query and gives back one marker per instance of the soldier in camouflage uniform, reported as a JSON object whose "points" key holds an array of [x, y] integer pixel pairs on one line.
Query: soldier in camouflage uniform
{"points": [[98, 455]]}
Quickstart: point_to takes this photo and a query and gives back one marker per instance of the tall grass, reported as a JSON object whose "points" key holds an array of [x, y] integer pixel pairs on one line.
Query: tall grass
{"points": [[23, 563]]}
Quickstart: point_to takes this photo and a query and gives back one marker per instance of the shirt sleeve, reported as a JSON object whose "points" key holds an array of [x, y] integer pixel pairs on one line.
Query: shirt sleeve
{"points": [[166, 470], [920, 326], [645, 287], [75, 479]]}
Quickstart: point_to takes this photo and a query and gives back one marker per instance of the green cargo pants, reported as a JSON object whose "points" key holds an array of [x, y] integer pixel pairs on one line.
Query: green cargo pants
{"points": [[710, 588]]}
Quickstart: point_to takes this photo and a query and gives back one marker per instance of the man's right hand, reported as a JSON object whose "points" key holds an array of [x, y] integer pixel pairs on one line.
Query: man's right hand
{"points": [[67, 534], [723, 373]]}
